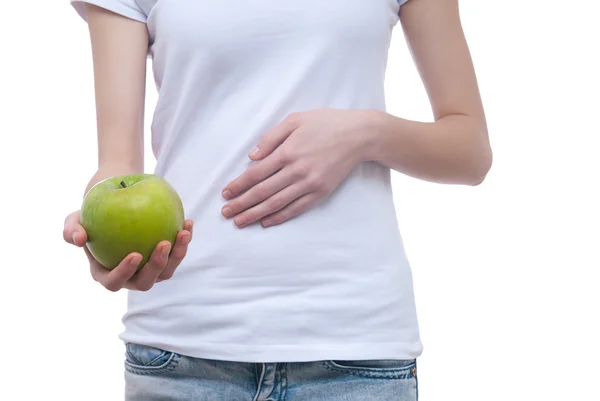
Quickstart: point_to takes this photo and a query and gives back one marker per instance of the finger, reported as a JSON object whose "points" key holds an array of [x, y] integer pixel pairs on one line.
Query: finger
{"points": [[79, 236], [273, 204], [72, 218], [292, 210], [255, 174], [188, 225], [275, 137], [179, 251], [147, 276], [73, 232], [177, 255], [259, 192], [115, 279]]}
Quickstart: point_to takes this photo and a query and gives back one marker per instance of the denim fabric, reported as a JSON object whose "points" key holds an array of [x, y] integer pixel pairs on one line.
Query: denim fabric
{"points": [[152, 374]]}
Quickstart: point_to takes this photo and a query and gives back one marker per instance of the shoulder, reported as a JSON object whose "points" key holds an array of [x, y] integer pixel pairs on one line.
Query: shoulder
{"points": [[138, 10]]}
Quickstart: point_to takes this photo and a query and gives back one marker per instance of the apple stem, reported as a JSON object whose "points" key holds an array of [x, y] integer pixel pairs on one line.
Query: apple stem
{"points": [[123, 184]]}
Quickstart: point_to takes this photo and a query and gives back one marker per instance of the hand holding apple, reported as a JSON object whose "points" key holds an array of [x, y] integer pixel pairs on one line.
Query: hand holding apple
{"points": [[132, 230], [130, 213]]}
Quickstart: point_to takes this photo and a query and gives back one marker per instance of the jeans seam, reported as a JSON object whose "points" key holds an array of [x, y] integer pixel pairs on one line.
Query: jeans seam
{"points": [[283, 381], [260, 380], [149, 364], [169, 366], [416, 381], [401, 373]]}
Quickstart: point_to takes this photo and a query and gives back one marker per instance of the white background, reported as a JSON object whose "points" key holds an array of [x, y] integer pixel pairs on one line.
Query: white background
{"points": [[506, 274]]}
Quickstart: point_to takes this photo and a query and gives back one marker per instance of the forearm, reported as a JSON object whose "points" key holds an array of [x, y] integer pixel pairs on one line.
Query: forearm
{"points": [[119, 49], [452, 150]]}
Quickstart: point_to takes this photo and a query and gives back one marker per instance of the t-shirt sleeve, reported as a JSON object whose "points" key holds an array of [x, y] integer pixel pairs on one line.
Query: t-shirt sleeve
{"points": [[126, 8]]}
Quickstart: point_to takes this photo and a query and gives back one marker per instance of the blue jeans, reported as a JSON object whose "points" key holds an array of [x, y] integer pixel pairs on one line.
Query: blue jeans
{"points": [[155, 375]]}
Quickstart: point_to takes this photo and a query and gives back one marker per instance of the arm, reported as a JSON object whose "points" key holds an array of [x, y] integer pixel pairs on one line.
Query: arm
{"points": [[455, 149], [119, 49], [307, 156]]}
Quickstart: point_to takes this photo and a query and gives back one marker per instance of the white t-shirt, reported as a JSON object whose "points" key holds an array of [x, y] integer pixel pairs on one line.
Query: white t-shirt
{"points": [[332, 283]]}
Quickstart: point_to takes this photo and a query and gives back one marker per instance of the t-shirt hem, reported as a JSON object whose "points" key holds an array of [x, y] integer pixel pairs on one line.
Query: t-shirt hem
{"points": [[109, 5], [287, 353]]}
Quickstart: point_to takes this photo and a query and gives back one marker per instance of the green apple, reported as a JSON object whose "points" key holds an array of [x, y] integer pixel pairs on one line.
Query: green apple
{"points": [[130, 213]]}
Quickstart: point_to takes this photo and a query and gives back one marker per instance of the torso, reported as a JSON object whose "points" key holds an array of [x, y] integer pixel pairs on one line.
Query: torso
{"points": [[333, 283]]}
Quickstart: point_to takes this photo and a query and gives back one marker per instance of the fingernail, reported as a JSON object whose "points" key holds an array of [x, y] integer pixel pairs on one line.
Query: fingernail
{"points": [[165, 252], [227, 212], [192, 227], [186, 240], [73, 237], [254, 152], [135, 261], [227, 194], [240, 221], [267, 222]]}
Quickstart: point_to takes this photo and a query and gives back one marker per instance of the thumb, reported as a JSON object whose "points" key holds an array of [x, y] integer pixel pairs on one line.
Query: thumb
{"points": [[73, 232], [78, 236]]}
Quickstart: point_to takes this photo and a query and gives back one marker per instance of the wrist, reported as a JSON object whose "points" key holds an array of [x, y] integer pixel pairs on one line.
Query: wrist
{"points": [[375, 125], [110, 170]]}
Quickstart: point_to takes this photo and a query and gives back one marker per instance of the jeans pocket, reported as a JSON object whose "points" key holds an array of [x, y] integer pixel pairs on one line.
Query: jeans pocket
{"points": [[143, 359], [380, 368]]}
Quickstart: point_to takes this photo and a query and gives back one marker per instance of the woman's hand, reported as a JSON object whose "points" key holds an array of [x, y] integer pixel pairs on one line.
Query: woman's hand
{"points": [[300, 161], [161, 266]]}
